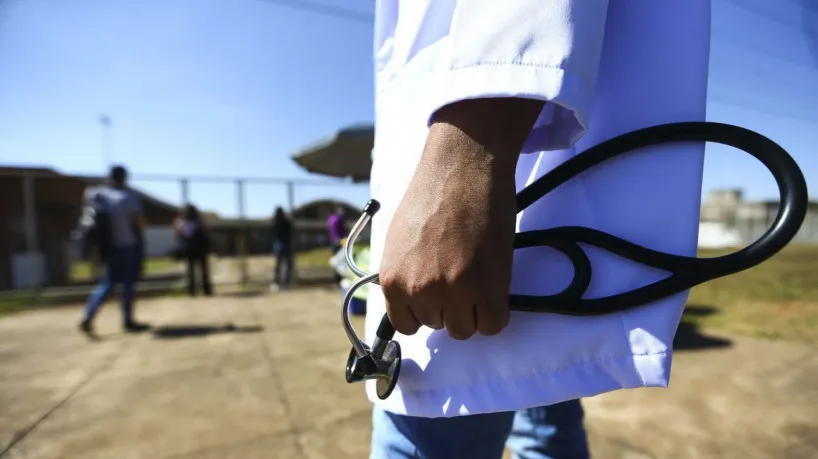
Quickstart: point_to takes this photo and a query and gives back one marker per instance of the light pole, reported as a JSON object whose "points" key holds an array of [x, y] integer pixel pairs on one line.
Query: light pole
{"points": [[105, 126]]}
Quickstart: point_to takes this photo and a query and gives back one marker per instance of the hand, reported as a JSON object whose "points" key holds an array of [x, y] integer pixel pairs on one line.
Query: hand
{"points": [[449, 248]]}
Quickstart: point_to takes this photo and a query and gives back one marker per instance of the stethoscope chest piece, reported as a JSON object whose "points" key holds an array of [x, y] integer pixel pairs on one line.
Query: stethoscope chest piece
{"points": [[384, 369]]}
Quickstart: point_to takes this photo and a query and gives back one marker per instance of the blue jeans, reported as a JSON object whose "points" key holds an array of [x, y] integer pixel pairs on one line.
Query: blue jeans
{"points": [[121, 267], [553, 432], [284, 260]]}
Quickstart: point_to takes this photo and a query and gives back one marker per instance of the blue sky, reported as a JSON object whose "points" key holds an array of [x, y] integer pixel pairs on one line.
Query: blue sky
{"points": [[233, 87]]}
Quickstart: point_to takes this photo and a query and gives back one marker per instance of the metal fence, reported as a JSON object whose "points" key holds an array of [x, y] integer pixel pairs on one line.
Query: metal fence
{"points": [[41, 208], [751, 229], [745, 223]]}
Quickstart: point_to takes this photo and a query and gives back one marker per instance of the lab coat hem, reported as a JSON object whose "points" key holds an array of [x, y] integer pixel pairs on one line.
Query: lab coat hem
{"points": [[541, 388]]}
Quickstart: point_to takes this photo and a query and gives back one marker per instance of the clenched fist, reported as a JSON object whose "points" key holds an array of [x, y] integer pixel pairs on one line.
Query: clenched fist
{"points": [[449, 248]]}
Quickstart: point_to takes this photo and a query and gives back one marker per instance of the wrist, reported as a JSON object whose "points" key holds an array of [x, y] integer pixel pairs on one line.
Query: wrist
{"points": [[449, 145], [499, 125]]}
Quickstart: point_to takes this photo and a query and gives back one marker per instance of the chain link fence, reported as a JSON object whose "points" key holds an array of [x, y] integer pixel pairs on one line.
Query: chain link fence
{"points": [[41, 209]]}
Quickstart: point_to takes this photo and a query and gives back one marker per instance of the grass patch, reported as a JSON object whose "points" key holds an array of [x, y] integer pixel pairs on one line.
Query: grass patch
{"points": [[777, 299], [315, 258], [12, 305], [85, 271]]}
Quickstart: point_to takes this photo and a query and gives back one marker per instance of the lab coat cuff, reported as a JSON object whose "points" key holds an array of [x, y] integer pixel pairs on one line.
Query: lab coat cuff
{"points": [[563, 120]]}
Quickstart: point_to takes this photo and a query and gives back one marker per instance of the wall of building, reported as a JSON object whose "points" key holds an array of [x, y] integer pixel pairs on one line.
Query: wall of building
{"points": [[750, 220], [713, 235], [57, 201]]}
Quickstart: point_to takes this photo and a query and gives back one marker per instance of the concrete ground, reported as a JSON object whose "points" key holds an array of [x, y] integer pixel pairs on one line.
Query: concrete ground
{"points": [[261, 376]]}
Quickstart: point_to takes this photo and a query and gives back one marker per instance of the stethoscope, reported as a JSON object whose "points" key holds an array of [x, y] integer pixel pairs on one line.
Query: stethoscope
{"points": [[382, 361]]}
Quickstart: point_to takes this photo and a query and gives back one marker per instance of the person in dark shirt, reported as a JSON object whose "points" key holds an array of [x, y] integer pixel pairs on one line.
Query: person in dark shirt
{"points": [[282, 249], [192, 234]]}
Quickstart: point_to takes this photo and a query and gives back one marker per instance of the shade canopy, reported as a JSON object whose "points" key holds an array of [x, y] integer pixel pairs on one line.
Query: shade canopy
{"points": [[347, 153]]}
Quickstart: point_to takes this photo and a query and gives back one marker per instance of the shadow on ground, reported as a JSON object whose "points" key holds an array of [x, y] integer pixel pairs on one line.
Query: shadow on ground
{"points": [[194, 331], [689, 337]]}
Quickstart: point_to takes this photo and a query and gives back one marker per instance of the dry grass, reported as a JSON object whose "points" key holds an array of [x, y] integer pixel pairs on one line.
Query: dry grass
{"points": [[84, 271], [777, 299], [313, 258]]}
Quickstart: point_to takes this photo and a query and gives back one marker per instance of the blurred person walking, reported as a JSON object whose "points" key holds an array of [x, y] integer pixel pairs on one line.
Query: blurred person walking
{"points": [[194, 248], [118, 225], [282, 230]]}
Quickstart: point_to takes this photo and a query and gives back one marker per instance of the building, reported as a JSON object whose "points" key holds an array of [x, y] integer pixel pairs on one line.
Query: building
{"points": [[56, 200], [725, 214]]}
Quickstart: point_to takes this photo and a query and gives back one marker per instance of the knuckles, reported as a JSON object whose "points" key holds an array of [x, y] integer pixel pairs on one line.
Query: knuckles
{"points": [[423, 298], [415, 288]]}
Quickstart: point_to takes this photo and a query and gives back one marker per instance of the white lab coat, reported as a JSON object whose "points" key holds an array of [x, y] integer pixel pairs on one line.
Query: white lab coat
{"points": [[606, 68]]}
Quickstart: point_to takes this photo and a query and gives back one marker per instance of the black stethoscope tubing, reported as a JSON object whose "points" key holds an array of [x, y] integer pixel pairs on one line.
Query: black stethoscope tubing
{"points": [[686, 272], [382, 360]]}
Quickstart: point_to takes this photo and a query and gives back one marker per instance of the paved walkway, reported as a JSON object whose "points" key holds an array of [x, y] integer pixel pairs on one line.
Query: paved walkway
{"points": [[246, 376]]}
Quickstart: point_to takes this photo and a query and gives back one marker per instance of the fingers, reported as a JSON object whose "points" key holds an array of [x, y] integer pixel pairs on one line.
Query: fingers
{"points": [[461, 322], [492, 317], [461, 314], [402, 318], [397, 306], [431, 317]]}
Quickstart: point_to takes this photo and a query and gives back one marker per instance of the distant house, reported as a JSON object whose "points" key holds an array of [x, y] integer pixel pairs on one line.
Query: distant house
{"points": [[310, 221], [57, 203], [726, 215]]}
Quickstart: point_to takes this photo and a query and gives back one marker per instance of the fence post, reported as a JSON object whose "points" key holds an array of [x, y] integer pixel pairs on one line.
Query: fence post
{"points": [[184, 184], [291, 195], [30, 224], [294, 241], [242, 236]]}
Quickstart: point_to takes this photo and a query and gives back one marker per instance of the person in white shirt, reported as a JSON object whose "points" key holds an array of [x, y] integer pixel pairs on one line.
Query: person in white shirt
{"points": [[475, 99]]}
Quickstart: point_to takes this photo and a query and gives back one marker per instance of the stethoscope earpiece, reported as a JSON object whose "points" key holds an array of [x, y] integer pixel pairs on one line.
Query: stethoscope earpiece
{"points": [[382, 361]]}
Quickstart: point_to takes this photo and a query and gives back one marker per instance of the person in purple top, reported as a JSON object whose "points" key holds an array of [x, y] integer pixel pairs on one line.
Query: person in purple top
{"points": [[337, 228], [337, 231]]}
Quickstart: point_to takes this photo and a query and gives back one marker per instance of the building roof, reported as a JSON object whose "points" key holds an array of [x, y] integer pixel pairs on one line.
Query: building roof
{"points": [[44, 172]]}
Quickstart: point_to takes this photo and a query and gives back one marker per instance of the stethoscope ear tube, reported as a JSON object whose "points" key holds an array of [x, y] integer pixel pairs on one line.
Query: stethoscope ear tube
{"points": [[382, 361]]}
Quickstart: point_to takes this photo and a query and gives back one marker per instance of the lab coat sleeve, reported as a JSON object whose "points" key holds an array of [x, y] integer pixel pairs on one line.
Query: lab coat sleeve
{"points": [[547, 50]]}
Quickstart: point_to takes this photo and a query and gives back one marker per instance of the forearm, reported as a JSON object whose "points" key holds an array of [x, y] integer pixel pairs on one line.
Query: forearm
{"points": [[491, 129], [458, 213]]}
